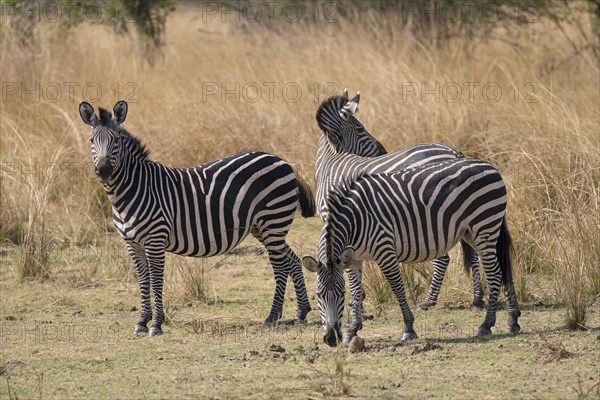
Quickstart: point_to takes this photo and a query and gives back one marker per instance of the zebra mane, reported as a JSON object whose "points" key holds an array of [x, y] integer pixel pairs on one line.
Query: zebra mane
{"points": [[328, 111], [105, 117], [134, 145]]}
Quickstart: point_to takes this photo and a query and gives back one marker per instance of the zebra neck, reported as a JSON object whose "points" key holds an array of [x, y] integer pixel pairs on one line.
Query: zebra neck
{"points": [[131, 174], [339, 231]]}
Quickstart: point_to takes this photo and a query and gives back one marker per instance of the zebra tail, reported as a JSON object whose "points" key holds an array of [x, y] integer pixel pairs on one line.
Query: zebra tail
{"points": [[503, 250], [306, 198], [467, 255]]}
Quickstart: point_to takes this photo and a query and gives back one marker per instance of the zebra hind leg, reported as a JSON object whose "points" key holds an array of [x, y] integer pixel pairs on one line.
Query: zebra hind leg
{"points": [[143, 276], [493, 274], [299, 285], [478, 302], [504, 247], [282, 268], [471, 263], [285, 263], [513, 308], [440, 265]]}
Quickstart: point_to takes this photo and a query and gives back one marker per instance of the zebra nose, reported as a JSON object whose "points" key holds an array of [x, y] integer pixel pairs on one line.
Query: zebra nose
{"points": [[333, 335], [330, 339], [103, 171]]}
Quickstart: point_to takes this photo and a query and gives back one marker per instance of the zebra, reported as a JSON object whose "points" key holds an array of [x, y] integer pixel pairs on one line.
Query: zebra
{"points": [[347, 149], [202, 211], [413, 216]]}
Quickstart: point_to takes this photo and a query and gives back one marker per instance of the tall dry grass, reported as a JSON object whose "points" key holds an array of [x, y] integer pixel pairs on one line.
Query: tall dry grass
{"points": [[542, 132]]}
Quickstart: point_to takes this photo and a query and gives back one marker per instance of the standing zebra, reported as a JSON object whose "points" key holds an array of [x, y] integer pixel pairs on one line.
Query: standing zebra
{"points": [[201, 211], [346, 149], [414, 216]]}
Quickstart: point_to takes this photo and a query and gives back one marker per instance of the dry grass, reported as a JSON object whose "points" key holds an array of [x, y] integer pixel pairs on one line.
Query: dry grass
{"points": [[377, 288], [542, 133]]}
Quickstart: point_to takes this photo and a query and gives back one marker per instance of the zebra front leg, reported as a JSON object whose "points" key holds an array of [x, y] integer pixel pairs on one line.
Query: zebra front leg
{"points": [[141, 268], [391, 270], [299, 285], [156, 263], [440, 265], [356, 300], [493, 276]]}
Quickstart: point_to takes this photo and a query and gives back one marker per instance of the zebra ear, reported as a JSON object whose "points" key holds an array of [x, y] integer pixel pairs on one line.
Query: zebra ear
{"points": [[311, 264], [120, 111], [350, 108], [347, 257], [345, 95], [86, 111]]}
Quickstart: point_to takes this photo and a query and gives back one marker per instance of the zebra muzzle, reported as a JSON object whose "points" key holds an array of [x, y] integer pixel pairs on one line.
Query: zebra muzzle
{"points": [[333, 334], [103, 171]]}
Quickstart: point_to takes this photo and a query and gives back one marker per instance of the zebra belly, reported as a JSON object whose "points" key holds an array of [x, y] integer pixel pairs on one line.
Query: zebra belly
{"points": [[362, 253], [421, 252], [196, 246]]}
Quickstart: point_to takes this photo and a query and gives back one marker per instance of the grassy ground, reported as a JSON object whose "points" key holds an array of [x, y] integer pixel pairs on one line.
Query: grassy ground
{"points": [[71, 337]]}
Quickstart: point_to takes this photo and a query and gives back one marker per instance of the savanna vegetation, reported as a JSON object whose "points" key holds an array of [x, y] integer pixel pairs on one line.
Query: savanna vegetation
{"points": [[518, 86]]}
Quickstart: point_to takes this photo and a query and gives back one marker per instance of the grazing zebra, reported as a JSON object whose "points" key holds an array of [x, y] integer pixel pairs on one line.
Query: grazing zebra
{"points": [[414, 216], [346, 149], [201, 211]]}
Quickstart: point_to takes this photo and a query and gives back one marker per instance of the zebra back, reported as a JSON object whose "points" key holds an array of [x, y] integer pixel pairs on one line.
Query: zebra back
{"points": [[434, 203]]}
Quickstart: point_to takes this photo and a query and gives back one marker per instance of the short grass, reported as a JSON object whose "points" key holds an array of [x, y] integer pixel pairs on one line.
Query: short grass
{"points": [[71, 337]]}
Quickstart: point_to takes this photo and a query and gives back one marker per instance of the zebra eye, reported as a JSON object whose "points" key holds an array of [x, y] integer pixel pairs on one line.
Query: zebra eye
{"points": [[91, 140], [338, 261]]}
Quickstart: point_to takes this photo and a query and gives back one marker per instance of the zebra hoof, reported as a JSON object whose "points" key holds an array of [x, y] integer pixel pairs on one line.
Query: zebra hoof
{"points": [[484, 331], [425, 305], [514, 329], [478, 304], [302, 314], [155, 331], [346, 340], [408, 336], [269, 323], [140, 329]]}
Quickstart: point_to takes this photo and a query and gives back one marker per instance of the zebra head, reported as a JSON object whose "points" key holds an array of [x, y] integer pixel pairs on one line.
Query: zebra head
{"points": [[105, 138], [335, 118], [330, 288]]}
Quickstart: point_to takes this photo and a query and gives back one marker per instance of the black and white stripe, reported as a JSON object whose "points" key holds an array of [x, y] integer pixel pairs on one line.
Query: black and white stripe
{"points": [[201, 211], [346, 149], [413, 216]]}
